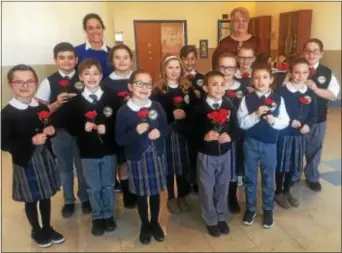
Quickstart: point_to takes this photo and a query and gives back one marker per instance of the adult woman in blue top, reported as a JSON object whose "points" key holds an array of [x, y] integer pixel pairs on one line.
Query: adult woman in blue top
{"points": [[95, 47]]}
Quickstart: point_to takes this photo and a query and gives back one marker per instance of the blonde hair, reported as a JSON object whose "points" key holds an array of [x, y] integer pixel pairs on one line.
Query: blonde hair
{"points": [[241, 10], [162, 83]]}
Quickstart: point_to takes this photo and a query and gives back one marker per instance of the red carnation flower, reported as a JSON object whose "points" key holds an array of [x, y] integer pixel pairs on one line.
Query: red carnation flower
{"points": [[269, 101], [123, 94], [231, 93], [43, 115], [219, 118], [305, 100], [91, 115], [142, 114], [64, 83], [245, 74], [178, 100], [190, 76]]}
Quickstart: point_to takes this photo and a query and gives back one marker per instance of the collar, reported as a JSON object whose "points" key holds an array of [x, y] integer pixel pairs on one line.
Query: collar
{"points": [[173, 86], [211, 101], [22, 106], [292, 89], [192, 72], [87, 92], [114, 76], [259, 94], [315, 66], [235, 85], [70, 75], [135, 107], [88, 46]]}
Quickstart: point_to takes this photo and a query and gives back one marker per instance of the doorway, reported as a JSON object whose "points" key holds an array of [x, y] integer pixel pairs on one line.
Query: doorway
{"points": [[154, 39]]}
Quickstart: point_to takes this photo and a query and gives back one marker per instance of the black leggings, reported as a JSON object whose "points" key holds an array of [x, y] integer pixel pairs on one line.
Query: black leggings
{"points": [[143, 209], [32, 213], [283, 182]]}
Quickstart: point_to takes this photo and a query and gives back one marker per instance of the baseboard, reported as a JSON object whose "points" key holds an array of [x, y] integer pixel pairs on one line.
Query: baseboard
{"points": [[335, 103]]}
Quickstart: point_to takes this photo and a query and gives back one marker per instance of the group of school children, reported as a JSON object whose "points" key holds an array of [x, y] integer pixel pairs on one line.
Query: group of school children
{"points": [[201, 132]]}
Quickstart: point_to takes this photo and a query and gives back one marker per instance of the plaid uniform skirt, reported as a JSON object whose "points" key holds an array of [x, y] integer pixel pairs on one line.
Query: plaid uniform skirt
{"points": [[38, 180], [177, 154], [290, 153], [147, 176]]}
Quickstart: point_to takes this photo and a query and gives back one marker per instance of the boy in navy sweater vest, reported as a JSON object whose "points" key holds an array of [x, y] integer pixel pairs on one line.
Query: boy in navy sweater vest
{"points": [[261, 114], [326, 87], [213, 127], [55, 91]]}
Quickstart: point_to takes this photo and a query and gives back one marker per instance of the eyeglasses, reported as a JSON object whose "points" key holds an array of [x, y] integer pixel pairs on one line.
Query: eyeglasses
{"points": [[315, 52], [140, 84], [246, 58], [19, 83], [224, 68]]}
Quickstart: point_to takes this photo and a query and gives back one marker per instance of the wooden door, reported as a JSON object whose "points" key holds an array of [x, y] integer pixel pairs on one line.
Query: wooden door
{"points": [[154, 39], [303, 29]]}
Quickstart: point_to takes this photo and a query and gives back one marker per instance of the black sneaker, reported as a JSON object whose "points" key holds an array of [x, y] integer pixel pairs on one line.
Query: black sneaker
{"points": [[98, 227], [214, 231], [68, 210], [315, 186], [42, 239], [157, 232], [145, 234], [110, 224], [248, 218], [223, 227], [117, 187], [53, 235], [267, 220], [86, 207]]}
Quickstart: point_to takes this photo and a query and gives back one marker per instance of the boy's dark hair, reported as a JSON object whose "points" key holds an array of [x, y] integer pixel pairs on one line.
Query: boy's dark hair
{"points": [[91, 16], [211, 74], [295, 61], [87, 64], [135, 73], [20, 67], [315, 40], [186, 50], [117, 47], [63, 47]]}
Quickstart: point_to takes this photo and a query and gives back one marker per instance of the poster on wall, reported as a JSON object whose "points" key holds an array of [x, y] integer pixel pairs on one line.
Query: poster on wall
{"points": [[223, 29], [203, 46], [172, 38]]}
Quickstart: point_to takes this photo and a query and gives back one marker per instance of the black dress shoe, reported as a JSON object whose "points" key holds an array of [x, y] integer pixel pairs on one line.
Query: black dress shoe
{"points": [[145, 234], [223, 227], [214, 231], [68, 210], [110, 224], [86, 207], [315, 186], [98, 227], [157, 232]]}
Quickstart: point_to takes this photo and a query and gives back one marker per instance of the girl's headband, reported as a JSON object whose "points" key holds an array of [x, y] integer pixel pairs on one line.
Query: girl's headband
{"points": [[170, 58]]}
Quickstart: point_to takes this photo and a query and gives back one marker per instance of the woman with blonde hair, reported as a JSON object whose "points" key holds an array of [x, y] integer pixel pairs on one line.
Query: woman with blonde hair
{"points": [[239, 36], [175, 94]]}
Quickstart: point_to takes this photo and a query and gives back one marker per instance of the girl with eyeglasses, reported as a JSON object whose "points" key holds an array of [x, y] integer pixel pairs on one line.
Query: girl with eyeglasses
{"points": [[26, 134], [235, 91], [141, 129]]}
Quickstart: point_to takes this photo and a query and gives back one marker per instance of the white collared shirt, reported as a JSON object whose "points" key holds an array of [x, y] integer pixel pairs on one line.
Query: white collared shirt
{"points": [[293, 89], [192, 72], [88, 46], [211, 101], [86, 93], [333, 86], [114, 76], [135, 107], [247, 120], [238, 74], [235, 85], [22, 106], [173, 86], [44, 91]]}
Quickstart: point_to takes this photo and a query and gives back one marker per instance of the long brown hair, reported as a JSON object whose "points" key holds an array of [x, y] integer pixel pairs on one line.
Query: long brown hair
{"points": [[161, 85]]}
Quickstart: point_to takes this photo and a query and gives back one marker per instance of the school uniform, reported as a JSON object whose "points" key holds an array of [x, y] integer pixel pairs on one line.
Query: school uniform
{"points": [[35, 173], [64, 144], [84, 51], [213, 160], [196, 80], [243, 78], [97, 151], [177, 143], [324, 79], [291, 145], [260, 145]]}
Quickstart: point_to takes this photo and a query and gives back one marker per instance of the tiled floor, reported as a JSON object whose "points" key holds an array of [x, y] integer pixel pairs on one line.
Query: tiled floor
{"points": [[314, 226]]}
